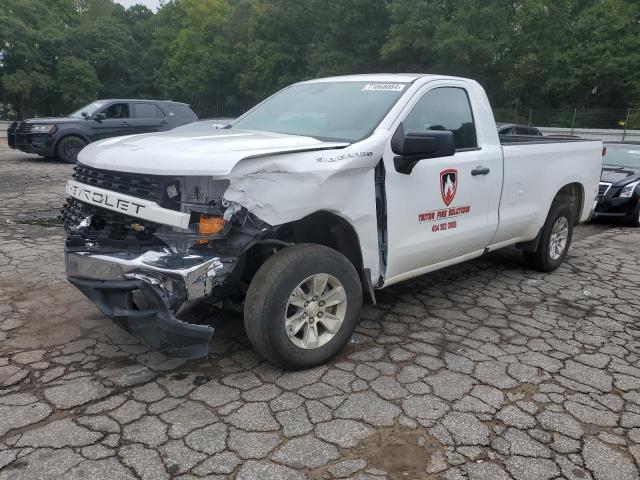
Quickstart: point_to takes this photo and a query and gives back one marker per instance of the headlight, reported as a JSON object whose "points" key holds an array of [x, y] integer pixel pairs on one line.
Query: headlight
{"points": [[627, 190], [43, 127], [211, 217], [210, 225]]}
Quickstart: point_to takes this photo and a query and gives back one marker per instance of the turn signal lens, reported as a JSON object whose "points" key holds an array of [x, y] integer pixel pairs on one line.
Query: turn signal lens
{"points": [[210, 225]]}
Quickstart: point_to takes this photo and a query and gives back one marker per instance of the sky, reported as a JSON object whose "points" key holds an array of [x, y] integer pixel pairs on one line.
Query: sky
{"points": [[152, 4]]}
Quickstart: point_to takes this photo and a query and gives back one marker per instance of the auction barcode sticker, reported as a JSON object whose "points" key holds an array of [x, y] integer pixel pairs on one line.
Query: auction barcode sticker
{"points": [[383, 87]]}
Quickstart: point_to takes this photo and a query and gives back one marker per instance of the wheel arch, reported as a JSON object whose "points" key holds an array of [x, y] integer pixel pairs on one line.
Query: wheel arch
{"points": [[331, 230], [326, 228], [575, 192], [67, 134]]}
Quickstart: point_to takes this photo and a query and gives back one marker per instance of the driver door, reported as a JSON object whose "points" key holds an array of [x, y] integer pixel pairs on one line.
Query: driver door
{"points": [[116, 120], [446, 209]]}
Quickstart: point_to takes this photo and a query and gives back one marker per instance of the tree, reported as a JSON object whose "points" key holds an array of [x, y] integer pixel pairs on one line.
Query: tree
{"points": [[201, 56], [223, 56], [465, 37], [347, 36], [540, 72], [605, 55], [77, 83], [276, 49], [31, 33]]}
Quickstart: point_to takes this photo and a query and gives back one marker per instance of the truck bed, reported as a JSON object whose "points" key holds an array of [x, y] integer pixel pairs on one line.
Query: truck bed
{"points": [[536, 168], [527, 139], [530, 139]]}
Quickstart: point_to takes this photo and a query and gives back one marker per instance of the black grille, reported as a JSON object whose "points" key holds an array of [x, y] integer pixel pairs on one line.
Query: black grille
{"points": [[602, 189], [106, 228], [149, 187]]}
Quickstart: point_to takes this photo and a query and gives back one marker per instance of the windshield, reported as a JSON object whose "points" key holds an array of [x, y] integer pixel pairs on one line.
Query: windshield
{"points": [[89, 109], [338, 111], [623, 155]]}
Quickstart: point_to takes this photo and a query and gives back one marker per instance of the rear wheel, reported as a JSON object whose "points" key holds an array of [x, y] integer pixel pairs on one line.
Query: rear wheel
{"points": [[555, 238], [302, 306], [69, 147]]}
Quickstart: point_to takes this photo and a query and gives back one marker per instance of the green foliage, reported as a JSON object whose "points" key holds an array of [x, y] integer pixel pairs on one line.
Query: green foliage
{"points": [[223, 56], [76, 82], [608, 64]]}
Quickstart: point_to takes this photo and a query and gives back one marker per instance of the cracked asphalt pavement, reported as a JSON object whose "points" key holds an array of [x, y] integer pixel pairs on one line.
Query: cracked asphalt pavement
{"points": [[482, 371]]}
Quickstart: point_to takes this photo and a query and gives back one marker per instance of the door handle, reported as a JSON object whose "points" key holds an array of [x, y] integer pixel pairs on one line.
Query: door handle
{"points": [[124, 123], [163, 122], [480, 171]]}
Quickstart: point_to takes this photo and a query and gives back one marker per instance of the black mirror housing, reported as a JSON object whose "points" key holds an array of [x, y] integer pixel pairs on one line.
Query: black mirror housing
{"points": [[412, 147]]}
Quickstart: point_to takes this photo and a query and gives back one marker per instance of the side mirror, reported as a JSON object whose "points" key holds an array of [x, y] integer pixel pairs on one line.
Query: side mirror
{"points": [[412, 147], [98, 117]]}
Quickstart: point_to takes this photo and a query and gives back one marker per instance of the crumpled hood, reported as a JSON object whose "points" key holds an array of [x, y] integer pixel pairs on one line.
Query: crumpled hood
{"points": [[619, 176], [192, 153]]}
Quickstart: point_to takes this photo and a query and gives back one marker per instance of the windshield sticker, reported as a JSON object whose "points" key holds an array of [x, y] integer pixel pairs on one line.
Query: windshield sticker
{"points": [[344, 156], [383, 87]]}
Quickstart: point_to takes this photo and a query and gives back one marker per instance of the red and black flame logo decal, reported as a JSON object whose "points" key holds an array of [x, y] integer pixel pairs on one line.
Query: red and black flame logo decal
{"points": [[448, 185]]}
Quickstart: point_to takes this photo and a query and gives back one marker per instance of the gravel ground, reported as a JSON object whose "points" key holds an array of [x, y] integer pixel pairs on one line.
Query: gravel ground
{"points": [[482, 371]]}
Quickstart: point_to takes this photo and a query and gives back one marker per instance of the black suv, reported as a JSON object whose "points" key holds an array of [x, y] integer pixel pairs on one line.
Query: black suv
{"points": [[619, 194], [64, 137], [515, 129]]}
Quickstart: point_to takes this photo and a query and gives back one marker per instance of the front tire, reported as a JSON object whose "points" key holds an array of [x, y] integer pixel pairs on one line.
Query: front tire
{"points": [[555, 238], [302, 306], [634, 221], [69, 147]]}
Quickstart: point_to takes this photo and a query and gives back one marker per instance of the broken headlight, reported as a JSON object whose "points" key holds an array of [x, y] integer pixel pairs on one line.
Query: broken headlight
{"points": [[210, 215]]}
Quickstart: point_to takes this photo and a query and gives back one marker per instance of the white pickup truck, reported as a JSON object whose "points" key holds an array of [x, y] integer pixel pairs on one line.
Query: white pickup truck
{"points": [[327, 190]]}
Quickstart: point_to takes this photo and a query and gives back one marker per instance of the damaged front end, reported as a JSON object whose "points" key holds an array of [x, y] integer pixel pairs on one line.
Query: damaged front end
{"points": [[146, 249]]}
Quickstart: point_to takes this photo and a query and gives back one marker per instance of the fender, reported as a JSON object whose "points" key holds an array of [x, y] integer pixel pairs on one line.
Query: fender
{"points": [[64, 131]]}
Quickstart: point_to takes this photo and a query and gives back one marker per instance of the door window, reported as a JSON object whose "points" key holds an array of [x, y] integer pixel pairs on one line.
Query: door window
{"points": [[117, 110], [526, 131], [148, 110], [444, 108], [181, 111]]}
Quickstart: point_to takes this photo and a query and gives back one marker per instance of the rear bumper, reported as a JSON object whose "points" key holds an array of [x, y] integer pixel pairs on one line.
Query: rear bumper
{"points": [[40, 143], [145, 293]]}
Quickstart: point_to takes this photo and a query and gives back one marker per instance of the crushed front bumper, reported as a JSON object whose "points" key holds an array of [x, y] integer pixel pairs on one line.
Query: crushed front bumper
{"points": [[141, 291]]}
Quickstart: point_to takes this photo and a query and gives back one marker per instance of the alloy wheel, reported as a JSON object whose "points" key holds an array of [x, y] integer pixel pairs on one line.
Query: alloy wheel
{"points": [[558, 239], [315, 311]]}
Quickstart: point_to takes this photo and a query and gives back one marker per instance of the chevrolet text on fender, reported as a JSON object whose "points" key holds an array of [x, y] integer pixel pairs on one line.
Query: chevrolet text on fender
{"points": [[309, 202]]}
